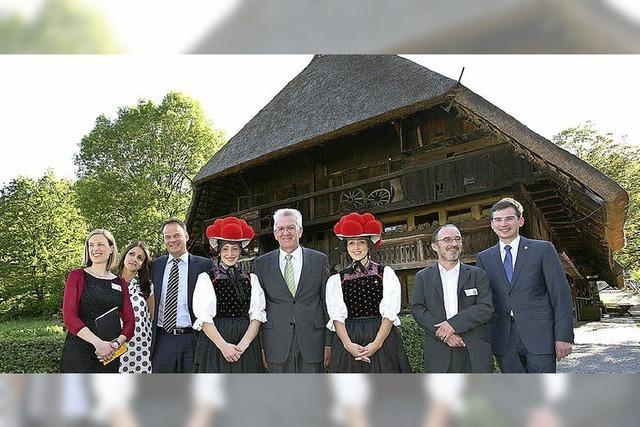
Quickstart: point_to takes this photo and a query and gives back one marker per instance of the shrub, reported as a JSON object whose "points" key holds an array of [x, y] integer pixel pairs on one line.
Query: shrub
{"points": [[413, 340]]}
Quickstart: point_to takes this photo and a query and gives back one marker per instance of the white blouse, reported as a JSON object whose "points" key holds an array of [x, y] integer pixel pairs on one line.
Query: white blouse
{"points": [[389, 305], [204, 301]]}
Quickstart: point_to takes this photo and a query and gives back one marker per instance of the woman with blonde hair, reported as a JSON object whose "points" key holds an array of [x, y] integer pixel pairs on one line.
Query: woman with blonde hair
{"points": [[89, 293]]}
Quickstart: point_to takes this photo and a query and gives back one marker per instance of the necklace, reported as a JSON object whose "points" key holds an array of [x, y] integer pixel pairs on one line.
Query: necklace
{"points": [[102, 276]]}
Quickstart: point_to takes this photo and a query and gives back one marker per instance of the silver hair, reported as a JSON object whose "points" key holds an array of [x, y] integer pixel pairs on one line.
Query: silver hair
{"points": [[280, 213]]}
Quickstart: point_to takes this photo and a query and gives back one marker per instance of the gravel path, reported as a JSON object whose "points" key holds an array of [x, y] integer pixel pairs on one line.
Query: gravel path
{"points": [[609, 346]]}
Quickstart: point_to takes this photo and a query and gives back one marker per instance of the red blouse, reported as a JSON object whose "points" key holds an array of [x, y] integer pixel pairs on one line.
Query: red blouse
{"points": [[71, 305]]}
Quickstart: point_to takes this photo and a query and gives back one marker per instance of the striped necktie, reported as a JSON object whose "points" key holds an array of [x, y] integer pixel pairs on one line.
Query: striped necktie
{"points": [[288, 275], [171, 301]]}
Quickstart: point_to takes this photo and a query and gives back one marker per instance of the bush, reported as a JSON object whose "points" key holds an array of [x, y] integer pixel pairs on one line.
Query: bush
{"points": [[31, 346], [413, 341]]}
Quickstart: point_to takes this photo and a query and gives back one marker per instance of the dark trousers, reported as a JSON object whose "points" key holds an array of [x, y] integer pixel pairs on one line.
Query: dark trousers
{"points": [[174, 353], [517, 358], [459, 362], [295, 362]]}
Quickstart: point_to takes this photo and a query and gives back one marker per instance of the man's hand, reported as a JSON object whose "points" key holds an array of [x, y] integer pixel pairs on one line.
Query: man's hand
{"points": [[563, 349], [327, 356], [455, 341], [445, 330]]}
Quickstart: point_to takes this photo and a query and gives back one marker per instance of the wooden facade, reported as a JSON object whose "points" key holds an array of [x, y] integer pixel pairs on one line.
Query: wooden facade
{"points": [[437, 163]]}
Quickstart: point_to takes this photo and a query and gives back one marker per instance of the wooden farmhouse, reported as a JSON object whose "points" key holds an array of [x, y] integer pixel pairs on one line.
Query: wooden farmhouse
{"points": [[385, 135]]}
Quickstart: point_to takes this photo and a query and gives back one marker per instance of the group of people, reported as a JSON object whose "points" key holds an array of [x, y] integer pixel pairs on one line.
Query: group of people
{"points": [[185, 313]]}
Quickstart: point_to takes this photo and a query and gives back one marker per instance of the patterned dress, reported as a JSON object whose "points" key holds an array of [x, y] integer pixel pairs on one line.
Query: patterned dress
{"points": [[230, 299], [137, 359], [361, 299]]}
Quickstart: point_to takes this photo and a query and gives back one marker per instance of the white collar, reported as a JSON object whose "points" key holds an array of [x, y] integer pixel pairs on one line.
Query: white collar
{"points": [[296, 254], [184, 257], [455, 269], [514, 244]]}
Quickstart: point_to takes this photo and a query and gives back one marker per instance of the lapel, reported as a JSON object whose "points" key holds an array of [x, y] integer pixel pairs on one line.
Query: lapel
{"points": [[463, 277], [437, 281], [192, 276], [496, 259], [306, 267], [523, 253], [159, 266], [274, 266]]}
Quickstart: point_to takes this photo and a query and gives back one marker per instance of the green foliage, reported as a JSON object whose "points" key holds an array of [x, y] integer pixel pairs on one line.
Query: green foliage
{"points": [[42, 235], [60, 26], [23, 344], [620, 161], [413, 341], [135, 171]]}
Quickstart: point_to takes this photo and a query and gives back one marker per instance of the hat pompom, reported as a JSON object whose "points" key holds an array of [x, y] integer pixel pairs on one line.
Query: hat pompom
{"points": [[366, 217], [214, 229], [247, 232], [351, 228], [231, 231], [372, 227], [353, 216]]}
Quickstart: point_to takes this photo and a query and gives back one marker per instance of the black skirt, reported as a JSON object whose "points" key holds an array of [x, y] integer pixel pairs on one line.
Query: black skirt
{"points": [[210, 359], [390, 358]]}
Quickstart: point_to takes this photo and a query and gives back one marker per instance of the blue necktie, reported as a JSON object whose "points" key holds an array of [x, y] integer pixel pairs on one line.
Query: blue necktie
{"points": [[508, 263]]}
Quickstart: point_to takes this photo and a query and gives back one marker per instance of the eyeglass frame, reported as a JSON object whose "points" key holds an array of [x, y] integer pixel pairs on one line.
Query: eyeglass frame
{"points": [[448, 240]]}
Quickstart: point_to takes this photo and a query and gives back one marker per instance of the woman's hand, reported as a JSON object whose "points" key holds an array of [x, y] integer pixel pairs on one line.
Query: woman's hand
{"points": [[357, 351], [230, 352], [104, 349], [371, 349]]}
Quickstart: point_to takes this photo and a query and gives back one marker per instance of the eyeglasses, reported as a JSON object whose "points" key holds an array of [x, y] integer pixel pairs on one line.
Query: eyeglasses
{"points": [[449, 240], [506, 219], [288, 229]]}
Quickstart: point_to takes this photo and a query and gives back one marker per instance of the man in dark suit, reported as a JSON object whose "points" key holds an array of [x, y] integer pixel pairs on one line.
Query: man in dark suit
{"points": [[452, 302], [174, 280], [532, 325], [295, 337]]}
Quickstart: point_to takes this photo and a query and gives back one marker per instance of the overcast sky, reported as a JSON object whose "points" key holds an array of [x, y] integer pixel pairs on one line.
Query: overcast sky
{"points": [[47, 103]]}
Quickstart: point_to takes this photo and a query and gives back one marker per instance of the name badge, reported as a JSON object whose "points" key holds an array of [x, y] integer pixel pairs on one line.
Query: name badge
{"points": [[116, 287], [471, 292]]}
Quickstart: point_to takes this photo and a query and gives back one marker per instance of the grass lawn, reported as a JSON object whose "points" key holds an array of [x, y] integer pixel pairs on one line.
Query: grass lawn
{"points": [[31, 328]]}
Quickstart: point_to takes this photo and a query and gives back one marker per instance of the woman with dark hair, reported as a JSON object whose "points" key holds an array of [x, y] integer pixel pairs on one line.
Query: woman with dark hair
{"points": [[229, 305], [134, 269], [89, 293], [363, 302]]}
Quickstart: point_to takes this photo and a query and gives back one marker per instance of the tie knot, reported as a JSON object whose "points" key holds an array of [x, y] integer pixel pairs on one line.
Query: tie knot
{"points": [[507, 248], [176, 261], [288, 257]]}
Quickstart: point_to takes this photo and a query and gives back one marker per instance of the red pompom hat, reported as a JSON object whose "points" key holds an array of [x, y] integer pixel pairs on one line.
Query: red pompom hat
{"points": [[356, 225], [230, 229]]}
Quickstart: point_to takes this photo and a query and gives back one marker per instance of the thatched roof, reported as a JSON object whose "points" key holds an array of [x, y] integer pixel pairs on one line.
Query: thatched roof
{"points": [[340, 94], [334, 92]]}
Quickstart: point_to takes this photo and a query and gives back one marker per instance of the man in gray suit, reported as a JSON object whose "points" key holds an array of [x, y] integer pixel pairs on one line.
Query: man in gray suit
{"points": [[452, 302], [532, 326], [294, 338]]}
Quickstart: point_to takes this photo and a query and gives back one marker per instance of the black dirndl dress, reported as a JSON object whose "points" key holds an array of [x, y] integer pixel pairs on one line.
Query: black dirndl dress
{"points": [[232, 321], [362, 293], [98, 296]]}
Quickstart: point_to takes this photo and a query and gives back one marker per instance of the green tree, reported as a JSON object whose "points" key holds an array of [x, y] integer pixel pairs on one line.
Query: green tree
{"points": [[620, 161], [59, 26], [135, 171], [42, 235]]}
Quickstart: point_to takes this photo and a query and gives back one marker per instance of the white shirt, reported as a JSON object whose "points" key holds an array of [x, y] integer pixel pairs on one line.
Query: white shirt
{"points": [[514, 250], [389, 305], [297, 263], [204, 301], [449, 279], [183, 319]]}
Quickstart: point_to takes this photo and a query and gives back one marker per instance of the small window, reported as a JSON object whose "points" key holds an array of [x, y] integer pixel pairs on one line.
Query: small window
{"points": [[427, 220]]}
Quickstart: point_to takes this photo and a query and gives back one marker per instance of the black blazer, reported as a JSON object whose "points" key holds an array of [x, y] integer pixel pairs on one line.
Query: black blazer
{"points": [[474, 311], [197, 265]]}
